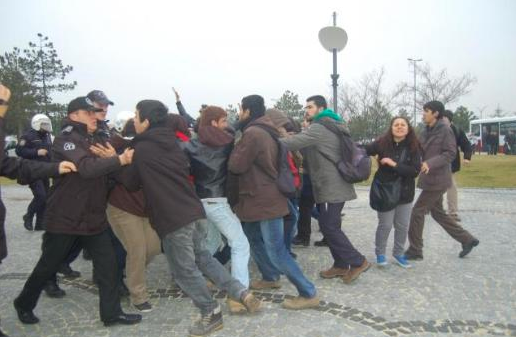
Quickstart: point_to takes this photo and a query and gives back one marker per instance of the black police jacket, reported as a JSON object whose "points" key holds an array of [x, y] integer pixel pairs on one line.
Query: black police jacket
{"points": [[32, 141], [77, 201]]}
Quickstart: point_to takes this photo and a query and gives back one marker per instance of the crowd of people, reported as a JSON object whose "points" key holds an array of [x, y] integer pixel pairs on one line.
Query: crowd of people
{"points": [[206, 193]]}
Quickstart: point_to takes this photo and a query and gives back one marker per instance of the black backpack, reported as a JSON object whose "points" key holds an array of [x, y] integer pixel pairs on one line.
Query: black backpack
{"points": [[285, 178], [354, 165]]}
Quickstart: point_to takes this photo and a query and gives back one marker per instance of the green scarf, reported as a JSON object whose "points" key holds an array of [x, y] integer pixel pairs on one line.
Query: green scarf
{"points": [[328, 113]]}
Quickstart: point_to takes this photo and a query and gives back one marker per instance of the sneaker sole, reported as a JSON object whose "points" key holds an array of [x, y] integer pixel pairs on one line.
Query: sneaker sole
{"points": [[382, 264], [404, 266], [217, 328]]}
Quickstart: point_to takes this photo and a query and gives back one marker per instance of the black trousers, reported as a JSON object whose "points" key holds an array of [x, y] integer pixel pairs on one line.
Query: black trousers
{"points": [[343, 252], [304, 223], [56, 248], [36, 207]]}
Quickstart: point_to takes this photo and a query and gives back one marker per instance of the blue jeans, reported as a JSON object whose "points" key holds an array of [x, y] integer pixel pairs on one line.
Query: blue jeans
{"points": [[270, 254], [220, 216]]}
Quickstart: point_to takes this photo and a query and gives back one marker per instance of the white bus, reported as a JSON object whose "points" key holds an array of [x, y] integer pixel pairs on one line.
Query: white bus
{"points": [[492, 131]]}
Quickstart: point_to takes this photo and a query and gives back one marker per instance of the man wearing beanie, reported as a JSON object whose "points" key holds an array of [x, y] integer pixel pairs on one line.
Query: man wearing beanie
{"points": [[330, 190], [76, 212], [439, 150], [261, 206]]}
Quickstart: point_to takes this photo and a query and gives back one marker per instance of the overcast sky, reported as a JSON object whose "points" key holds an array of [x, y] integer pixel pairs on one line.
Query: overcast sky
{"points": [[216, 52]]}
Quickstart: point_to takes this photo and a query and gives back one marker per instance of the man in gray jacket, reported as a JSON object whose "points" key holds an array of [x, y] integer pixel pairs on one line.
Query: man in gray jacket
{"points": [[331, 191], [439, 150]]}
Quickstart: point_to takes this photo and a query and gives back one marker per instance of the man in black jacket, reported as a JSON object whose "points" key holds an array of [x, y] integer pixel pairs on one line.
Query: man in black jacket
{"points": [[463, 145], [176, 213], [76, 211]]}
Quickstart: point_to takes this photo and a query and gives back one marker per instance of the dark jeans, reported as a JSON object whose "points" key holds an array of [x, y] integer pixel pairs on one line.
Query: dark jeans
{"points": [[55, 249], [432, 201], [36, 207], [271, 256], [343, 252], [189, 259]]}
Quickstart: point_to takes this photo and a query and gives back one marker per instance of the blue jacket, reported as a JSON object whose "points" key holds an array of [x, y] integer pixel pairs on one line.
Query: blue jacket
{"points": [[32, 141]]}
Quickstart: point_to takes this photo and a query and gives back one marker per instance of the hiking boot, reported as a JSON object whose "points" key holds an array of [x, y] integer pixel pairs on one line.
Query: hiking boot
{"points": [[236, 307], [27, 222], [52, 290], [321, 243], [207, 324], [143, 307], [381, 260], [354, 272], [251, 303], [68, 272], [299, 303], [297, 241], [333, 272], [402, 261], [466, 248], [412, 256], [262, 284]]}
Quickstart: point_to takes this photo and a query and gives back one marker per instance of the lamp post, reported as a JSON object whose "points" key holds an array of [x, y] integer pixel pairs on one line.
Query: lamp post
{"points": [[333, 39], [414, 61]]}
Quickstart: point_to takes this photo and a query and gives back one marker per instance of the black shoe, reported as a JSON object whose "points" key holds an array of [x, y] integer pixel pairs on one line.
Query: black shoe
{"points": [[123, 318], [413, 257], [321, 243], [68, 272], [466, 248], [27, 222], [86, 255], [52, 290], [25, 316], [297, 241]]}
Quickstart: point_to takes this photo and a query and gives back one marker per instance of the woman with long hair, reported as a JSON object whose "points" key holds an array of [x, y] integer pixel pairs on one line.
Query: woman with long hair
{"points": [[399, 162]]}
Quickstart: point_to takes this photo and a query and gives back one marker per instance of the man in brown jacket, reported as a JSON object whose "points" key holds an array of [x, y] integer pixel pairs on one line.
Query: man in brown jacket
{"points": [[439, 150], [261, 206]]}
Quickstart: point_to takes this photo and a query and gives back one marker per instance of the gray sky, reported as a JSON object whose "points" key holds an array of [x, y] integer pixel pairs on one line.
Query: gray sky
{"points": [[216, 52]]}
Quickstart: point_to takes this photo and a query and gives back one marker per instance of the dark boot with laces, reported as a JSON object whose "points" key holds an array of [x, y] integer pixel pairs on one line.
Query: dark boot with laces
{"points": [[208, 323]]}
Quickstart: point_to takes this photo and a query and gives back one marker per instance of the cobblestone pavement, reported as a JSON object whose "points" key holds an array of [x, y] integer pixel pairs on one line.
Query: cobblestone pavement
{"points": [[441, 295]]}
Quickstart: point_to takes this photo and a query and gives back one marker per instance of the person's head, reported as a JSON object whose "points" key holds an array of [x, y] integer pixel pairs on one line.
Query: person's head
{"points": [[314, 105], [432, 112], [399, 130], [82, 110], [251, 108], [448, 116], [41, 123], [129, 131], [177, 124], [149, 114], [101, 102], [214, 116]]}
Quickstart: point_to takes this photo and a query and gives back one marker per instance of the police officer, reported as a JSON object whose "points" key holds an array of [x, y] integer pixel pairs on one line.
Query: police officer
{"points": [[102, 103], [36, 144], [76, 211]]}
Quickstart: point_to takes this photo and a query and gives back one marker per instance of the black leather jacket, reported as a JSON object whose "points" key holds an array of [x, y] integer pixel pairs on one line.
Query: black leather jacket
{"points": [[209, 167]]}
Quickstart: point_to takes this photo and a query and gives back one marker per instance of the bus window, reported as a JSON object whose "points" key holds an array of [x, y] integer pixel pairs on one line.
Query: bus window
{"points": [[475, 129]]}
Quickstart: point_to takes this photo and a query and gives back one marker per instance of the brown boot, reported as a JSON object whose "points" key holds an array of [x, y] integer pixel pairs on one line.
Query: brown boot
{"points": [[251, 303], [262, 284], [355, 272], [334, 272], [235, 307], [299, 303]]}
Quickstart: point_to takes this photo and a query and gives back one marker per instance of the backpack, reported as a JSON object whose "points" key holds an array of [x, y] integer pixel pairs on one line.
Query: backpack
{"points": [[285, 178], [354, 165]]}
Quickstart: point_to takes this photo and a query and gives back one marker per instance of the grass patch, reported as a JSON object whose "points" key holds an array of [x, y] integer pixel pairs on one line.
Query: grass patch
{"points": [[483, 171]]}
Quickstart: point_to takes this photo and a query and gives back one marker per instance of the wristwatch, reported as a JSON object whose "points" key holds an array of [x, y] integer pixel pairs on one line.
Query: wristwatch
{"points": [[3, 102]]}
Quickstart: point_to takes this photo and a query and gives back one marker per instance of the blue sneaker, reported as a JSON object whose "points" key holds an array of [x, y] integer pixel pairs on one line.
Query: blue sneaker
{"points": [[402, 261], [381, 260]]}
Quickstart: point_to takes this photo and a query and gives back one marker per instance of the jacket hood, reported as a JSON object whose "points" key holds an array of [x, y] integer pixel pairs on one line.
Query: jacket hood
{"points": [[264, 121], [278, 117], [164, 137], [329, 114], [213, 136]]}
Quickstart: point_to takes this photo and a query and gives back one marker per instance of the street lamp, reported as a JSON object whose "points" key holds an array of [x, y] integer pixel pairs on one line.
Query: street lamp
{"points": [[414, 61], [333, 39]]}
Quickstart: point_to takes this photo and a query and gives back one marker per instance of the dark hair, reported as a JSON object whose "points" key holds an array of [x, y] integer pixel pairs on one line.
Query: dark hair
{"points": [[386, 141], [318, 100], [448, 114], [177, 123], [255, 104], [129, 130], [211, 113], [153, 111], [293, 125], [435, 106]]}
